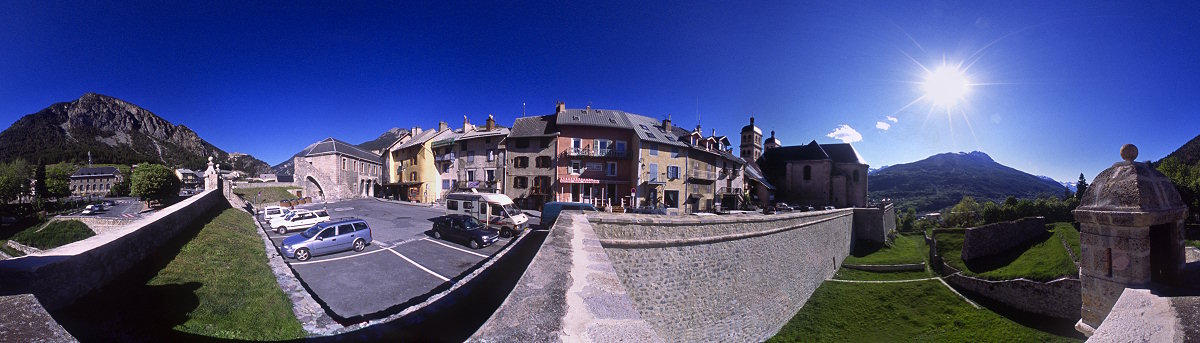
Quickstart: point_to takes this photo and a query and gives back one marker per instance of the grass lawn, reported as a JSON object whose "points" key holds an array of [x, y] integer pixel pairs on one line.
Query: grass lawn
{"points": [[55, 234], [919, 311], [270, 195], [1067, 231], [1043, 260], [854, 274], [1194, 243], [905, 249], [215, 285]]}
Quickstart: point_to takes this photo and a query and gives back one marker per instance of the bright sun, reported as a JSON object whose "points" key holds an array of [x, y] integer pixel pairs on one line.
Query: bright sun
{"points": [[946, 86]]}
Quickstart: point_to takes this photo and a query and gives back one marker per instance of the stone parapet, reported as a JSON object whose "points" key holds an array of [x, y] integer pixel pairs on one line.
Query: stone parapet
{"points": [[995, 238], [24, 320]]}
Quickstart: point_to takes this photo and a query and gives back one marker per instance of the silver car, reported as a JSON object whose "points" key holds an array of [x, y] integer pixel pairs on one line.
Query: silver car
{"points": [[327, 238]]}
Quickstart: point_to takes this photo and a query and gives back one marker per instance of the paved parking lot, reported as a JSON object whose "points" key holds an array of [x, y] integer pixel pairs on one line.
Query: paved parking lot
{"points": [[401, 266]]}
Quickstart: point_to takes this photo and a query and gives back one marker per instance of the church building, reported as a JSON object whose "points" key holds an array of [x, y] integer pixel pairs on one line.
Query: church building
{"points": [[814, 174]]}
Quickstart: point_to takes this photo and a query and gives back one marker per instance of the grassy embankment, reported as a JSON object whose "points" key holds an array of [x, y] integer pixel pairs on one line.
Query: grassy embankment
{"points": [[270, 195], [905, 249], [217, 285], [1043, 259], [918, 311], [53, 235]]}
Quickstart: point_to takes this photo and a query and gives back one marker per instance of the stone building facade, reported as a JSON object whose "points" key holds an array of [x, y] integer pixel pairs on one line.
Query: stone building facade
{"points": [[759, 190], [331, 170], [595, 161], [816, 174], [480, 157], [530, 148], [94, 181], [413, 174], [714, 174], [662, 160]]}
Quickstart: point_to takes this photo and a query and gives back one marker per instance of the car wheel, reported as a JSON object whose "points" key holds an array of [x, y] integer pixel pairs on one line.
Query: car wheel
{"points": [[303, 255], [437, 235], [475, 244], [359, 245], [281, 230], [505, 232]]}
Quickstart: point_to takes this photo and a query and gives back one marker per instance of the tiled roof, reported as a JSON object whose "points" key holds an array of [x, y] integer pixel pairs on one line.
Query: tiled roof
{"points": [[593, 117], [843, 153], [539, 126], [479, 132], [96, 171], [333, 146], [420, 138], [444, 138], [650, 129]]}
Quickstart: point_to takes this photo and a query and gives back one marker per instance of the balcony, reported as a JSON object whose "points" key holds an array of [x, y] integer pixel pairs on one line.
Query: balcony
{"points": [[444, 157], [728, 190], [595, 152], [703, 175]]}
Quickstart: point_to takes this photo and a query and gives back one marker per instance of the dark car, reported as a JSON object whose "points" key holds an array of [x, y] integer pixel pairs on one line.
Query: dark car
{"points": [[783, 207], [768, 210], [461, 227]]}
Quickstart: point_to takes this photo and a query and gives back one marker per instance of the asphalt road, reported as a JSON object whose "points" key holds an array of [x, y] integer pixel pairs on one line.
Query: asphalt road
{"points": [[400, 268]]}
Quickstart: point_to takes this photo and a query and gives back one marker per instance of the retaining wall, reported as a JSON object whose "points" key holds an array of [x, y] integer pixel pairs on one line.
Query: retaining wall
{"points": [[874, 224], [60, 276], [728, 278], [996, 238], [1060, 298]]}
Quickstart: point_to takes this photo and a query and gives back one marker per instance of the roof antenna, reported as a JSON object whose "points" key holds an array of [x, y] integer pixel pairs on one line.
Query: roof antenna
{"points": [[522, 109]]}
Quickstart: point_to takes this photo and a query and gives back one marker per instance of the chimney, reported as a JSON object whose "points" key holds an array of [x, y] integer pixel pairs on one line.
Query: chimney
{"points": [[560, 107], [588, 109], [442, 126], [714, 132], [491, 123], [667, 124], [415, 130], [467, 127]]}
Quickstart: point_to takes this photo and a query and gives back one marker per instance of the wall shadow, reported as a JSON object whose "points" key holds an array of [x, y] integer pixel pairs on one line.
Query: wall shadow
{"points": [[997, 261]]}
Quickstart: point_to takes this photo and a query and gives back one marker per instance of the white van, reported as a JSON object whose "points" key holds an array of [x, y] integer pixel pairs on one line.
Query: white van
{"points": [[496, 210]]}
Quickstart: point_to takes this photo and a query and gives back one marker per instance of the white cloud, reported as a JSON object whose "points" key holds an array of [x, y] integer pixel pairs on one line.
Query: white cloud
{"points": [[893, 119], [845, 133], [882, 126]]}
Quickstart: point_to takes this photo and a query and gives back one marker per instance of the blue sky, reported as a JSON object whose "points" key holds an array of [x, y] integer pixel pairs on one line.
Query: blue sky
{"points": [[1060, 86]]}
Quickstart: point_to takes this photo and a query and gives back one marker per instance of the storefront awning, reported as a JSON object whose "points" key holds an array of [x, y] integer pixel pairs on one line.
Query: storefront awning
{"points": [[576, 179], [405, 184]]}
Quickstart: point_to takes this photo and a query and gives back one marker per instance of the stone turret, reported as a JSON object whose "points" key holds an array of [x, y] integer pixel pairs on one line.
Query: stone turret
{"points": [[1131, 235]]}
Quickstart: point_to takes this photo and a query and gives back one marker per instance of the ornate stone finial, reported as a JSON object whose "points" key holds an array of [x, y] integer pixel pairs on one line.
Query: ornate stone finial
{"points": [[210, 159], [1129, 152]]}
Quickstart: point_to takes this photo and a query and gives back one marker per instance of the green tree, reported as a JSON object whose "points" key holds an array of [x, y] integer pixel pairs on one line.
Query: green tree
{"points": [[154, 182], [964, 214], [121, 188], [58, 179], [1080, 187], [14, 180]]}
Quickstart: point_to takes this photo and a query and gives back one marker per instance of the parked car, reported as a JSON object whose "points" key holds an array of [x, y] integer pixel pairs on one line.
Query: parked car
{"points": [[783, 207], [551, 210], [768, 210], [495, 209], [461, 227], [327, 238], [827, 208], [272, 212], [90, 210], [299, 219]]}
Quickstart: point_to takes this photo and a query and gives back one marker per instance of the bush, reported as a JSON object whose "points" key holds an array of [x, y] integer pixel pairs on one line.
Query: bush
{"points": [[54, 235], [154, 182]]}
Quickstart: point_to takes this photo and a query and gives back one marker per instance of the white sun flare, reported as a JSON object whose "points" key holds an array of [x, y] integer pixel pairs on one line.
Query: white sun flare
{"points": [[946, 86]]}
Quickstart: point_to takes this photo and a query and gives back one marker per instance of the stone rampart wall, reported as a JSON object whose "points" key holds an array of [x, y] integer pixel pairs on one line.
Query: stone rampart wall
{"points": [[996, 238], [1059, 298], [60, 276], [93, 222], [728, 278], [874, 224]]}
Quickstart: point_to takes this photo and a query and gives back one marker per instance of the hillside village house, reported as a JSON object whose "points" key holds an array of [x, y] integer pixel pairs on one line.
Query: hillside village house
{"points": [[594, 161], [94, 181], [445, 157], [816, 174], [481, 157], [412, 171], [713, 174], [189, 179], [333, 170], [531, 149]]}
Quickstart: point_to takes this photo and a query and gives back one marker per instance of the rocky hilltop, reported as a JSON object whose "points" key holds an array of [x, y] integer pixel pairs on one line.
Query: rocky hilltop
{"points": [[942, 180], [113, 131]]}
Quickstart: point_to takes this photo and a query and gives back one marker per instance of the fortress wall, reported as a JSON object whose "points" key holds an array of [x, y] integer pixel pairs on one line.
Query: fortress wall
{"points": [[874, 224], [60, 276], [727, 278], [996, 238], [1058, 298]]}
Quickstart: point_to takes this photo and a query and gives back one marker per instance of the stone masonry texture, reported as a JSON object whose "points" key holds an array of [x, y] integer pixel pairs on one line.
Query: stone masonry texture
{"points": [[995, 238]]}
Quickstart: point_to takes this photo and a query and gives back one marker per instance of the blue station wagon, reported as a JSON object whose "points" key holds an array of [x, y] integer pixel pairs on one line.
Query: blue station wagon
{"points": [[327, 238]]}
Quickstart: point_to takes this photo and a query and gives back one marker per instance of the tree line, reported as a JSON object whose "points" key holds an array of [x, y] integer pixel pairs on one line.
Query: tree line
{"points": [[40, 183]]}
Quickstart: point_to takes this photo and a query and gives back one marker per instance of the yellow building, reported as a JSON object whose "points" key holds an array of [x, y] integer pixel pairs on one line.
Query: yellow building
{"points": [[412, 173]]}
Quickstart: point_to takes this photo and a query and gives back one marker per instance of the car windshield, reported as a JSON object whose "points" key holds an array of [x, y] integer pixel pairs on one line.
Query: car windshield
{"points": [[512, 211], [312, 231], [471, 223]]}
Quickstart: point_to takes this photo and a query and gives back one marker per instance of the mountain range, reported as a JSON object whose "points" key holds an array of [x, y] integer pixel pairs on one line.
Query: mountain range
{"points": [[942, 180], [375, 145], [112, 130]]}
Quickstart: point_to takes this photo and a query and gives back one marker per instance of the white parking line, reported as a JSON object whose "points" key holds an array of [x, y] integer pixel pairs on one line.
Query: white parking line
{"points": [[338, 258], [455, 248], [418, 265]]}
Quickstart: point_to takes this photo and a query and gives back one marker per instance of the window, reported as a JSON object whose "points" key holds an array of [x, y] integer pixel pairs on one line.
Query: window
{"points": [[576, 167], [522, 143], [611, 169], [604, 145], [521, 162], [520, 182], [412, 176], [653, 149], [672, 172], [653, 171], [328, 233], [543, 162], [491, 155], [468, 205], [343, 163], [452, 205], [470, 175], [621, 148], [807, 173], [445, 184], [542, 184], [577, 143], [593, 166], [671, 199], [491, 174], [470, 156], [345, 229], [856, 176], [358, 226]]}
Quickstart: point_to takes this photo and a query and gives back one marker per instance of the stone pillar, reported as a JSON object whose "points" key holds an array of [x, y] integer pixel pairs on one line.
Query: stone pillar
{"points": [[212, 176], [1131, 234]]}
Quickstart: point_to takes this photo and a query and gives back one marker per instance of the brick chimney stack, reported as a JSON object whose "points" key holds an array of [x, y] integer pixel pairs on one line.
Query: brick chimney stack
{"points": [[442, 126], [491, 123], [667, 124], [560, 107]]}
